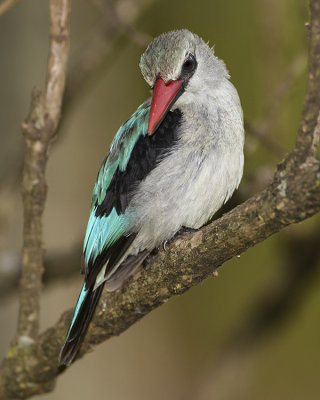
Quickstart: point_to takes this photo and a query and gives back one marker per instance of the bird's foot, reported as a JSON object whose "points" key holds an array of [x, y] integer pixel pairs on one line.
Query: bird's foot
{"points": [[185, 231], [181, 232]]}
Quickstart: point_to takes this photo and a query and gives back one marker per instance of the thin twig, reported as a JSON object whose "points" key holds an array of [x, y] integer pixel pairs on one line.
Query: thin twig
{"points": [[39, 129], [293, 196], [55, 268], [90, 57], [6, 4], [306, 136]]}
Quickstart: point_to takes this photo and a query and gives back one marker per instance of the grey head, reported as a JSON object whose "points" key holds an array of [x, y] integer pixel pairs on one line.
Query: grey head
{"points": [[170, 56]]}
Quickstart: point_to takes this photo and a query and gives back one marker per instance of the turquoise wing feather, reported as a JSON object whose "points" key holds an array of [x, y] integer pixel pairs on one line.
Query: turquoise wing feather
{"points": [[133, 154], [105, 228]]}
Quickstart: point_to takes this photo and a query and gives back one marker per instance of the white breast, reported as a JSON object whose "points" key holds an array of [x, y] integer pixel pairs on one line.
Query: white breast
{"points": [[200, 174]]}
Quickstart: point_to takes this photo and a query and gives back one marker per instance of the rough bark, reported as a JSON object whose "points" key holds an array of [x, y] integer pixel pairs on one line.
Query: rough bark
{"points": [[39, 129], [292, 196]]}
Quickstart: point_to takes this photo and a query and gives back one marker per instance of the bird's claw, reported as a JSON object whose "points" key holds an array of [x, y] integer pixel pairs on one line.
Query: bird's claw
{"points": [[183, 231]]}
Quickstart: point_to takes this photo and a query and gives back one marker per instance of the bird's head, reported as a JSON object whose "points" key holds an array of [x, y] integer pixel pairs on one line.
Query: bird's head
{"points": [[178, 65]]}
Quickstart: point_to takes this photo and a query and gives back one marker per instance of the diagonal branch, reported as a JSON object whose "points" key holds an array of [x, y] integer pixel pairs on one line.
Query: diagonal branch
{"points": [[292, 196], [39, 129]]}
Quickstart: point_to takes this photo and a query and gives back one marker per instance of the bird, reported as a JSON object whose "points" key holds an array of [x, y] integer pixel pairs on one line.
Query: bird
{"points": [[170, 167]]}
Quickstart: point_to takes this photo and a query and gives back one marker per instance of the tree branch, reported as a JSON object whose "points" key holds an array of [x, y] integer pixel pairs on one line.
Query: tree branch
{"points": [[307, 140], [292, 196], [55, 268], [39, 129]]}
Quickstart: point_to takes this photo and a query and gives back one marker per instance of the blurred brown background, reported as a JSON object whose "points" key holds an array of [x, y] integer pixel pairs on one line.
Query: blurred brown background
{"points": [[251, 333]]}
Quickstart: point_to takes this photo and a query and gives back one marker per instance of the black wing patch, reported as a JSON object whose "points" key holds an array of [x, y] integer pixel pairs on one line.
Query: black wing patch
{"points": [[144, 157], [111, 255]]}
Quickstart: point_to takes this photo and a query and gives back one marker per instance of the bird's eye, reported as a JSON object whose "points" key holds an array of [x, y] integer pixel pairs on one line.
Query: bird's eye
{"points": [[189, 65]]}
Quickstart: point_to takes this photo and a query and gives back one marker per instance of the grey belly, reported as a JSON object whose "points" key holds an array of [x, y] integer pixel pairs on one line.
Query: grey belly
{"points": [[183, 190]]}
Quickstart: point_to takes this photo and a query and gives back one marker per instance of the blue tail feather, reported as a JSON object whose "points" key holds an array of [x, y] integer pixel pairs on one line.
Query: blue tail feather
{"points": [[82, 316]]}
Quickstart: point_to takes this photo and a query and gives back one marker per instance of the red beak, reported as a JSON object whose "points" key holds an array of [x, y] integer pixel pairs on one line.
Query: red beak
{"points": [[163, 97]]}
